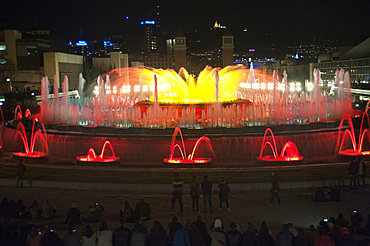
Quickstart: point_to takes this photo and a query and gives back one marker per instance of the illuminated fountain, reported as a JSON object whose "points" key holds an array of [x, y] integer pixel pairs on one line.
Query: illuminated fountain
{"points": [[225, 97], [137, 107], [289, 152], [187, 159], [104, 156], [18, 113], [348, 138], [39, 137]]}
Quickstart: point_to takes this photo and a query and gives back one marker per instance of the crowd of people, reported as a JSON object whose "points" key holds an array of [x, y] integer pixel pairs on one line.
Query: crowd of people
{"points": [[329, 231]]}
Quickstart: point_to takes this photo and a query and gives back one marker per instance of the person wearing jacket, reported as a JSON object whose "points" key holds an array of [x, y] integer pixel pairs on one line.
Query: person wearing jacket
{"points": [[285, 237]]}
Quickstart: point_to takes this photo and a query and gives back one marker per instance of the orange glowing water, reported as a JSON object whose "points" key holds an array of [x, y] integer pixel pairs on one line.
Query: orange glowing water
{"points": [[183, 87]]}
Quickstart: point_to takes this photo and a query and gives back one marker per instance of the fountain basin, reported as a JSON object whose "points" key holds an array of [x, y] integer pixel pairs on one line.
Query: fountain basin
{"points": [[30, 157], [97, 161], [281, 160]]}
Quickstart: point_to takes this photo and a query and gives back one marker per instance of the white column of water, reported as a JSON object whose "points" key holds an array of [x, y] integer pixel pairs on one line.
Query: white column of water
{"points": [[56, 101], [217, 82], [65, 99], [44, 97], [317, 93], [347, 82], [156, 102]]}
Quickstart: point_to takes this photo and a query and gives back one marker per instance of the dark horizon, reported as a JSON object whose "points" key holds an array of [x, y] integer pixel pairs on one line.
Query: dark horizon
{"points": [[285, 21]]}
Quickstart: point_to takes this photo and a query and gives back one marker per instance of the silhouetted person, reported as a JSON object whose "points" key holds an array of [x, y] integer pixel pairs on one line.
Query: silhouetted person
{"points": [[48, 211], [300, 239], [334, 194], [143, 210], [122, 234], [202, 229], [218, 235], [346, 239], [320, 196], [95, 213], [128, 213], [177, 193], [353, 172], [157, 235], [194, 234], [34, 210], [73, 215], [21, 170], [341, 221], [72, 238], [173, 227], [285, 237], [104, 235], [233, 236], [249, 238], [88, 237], [275, 188], [139, 235], [207, 193], [361, 173], [223, 194], [312, 235], [50, 238], [195, 191]]}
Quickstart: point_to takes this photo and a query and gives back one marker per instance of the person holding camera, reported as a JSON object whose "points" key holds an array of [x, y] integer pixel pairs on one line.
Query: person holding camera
{"points": [[95, 213]]}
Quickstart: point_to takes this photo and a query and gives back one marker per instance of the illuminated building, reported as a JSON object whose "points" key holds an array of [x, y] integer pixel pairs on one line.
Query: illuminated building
{"points": [[150, 37]]}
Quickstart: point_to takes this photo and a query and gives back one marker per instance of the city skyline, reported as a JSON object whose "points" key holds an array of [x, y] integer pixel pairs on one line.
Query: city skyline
{"points": [[283, 21]]}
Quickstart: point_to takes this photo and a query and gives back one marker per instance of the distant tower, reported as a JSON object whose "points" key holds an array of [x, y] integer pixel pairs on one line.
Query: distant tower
{"points": [[180, 51], [227, 48]]}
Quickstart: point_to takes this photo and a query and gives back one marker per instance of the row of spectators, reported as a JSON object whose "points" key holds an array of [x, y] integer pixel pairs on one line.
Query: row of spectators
{"points": [[329, 231]]}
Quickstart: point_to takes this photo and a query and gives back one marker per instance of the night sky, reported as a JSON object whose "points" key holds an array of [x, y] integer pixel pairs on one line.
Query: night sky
{"points": [[284, 20]]}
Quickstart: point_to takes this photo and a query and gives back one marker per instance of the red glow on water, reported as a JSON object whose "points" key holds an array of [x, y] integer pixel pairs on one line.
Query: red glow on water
{"points": [[289, 152], [92, 157], [350, 152], [35, 154], [280, 158], [187, 159]]}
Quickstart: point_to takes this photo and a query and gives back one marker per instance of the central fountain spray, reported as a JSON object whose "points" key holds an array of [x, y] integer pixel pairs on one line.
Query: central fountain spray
{"points": [[177, 99]]}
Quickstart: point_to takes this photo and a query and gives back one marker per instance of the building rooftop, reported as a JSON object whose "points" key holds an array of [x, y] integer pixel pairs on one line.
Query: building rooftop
{"points": [[360, 51]]}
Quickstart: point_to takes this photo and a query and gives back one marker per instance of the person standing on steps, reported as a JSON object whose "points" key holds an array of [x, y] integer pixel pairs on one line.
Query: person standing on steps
{"points": [[177, 193], [207, 193], [21, 170], [195, 191], [224, 190], [275, 188], [353, 172]]}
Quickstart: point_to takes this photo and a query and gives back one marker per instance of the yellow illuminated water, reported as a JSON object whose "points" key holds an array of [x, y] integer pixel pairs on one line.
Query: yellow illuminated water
{"points": [[183, 87]]}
